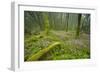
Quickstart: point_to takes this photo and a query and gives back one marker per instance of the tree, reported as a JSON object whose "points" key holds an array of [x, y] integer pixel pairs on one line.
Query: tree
{"points": [[67, 21], [46, 23], [85, 26], [78, 26]]}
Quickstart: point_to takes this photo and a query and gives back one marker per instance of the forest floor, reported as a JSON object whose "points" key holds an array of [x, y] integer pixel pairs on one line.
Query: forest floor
{"points": [[70, 46]]}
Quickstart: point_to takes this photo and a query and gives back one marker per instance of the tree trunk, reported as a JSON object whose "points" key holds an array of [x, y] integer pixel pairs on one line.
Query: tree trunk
{"points": [[46, 23], [67, 22], [78, 26]]}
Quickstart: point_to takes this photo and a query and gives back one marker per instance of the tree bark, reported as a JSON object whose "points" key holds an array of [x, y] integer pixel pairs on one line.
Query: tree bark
{"points": [[78, 26], [67, 22]]}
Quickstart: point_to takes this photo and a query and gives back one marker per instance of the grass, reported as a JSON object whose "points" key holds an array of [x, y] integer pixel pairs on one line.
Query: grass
{"points": [[70, 47]]}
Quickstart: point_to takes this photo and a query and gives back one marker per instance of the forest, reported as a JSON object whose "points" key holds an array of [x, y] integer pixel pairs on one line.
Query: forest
{"points": [[56, 36]]}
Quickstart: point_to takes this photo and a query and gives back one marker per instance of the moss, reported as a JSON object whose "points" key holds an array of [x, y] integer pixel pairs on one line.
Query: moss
{"points": [[42, 52], [70, 48]]}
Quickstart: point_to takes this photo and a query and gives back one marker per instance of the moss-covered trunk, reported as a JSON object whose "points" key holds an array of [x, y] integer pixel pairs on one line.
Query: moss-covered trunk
{"points": [[46, 23], [42, 52]]}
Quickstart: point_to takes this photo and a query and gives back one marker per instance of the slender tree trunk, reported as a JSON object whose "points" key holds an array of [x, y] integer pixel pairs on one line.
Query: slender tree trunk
{"points": [[67, 22], [78, 26], [82, 25]]}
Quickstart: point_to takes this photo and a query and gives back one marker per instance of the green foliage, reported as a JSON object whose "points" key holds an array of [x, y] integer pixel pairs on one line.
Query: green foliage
{"points": [[42, 52], [52, 36], [70, 48]]}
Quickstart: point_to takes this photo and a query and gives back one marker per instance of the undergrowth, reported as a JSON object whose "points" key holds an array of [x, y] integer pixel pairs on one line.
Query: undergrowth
{"points": [[70, 47]]}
